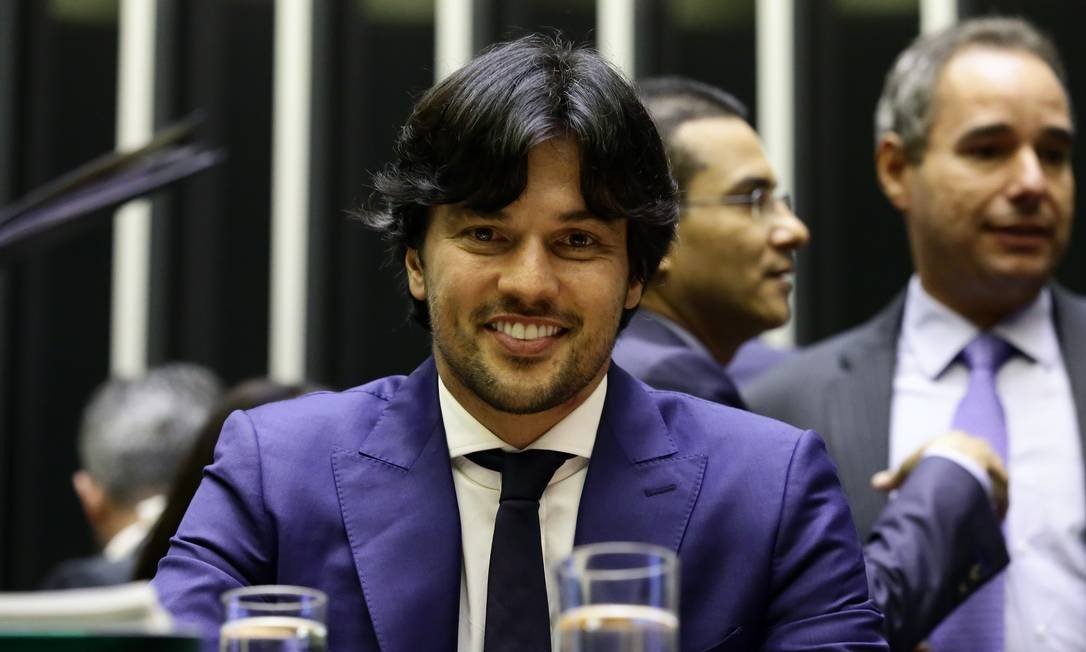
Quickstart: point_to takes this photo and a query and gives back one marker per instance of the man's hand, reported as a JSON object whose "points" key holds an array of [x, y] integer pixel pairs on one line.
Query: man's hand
{"points": [[962, 443]]}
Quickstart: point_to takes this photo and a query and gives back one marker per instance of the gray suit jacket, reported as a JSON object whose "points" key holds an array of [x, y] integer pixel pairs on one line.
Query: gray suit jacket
{"points": [[842, 388]]}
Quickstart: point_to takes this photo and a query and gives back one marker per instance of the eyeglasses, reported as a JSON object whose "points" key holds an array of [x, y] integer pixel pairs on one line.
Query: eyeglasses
{"points": [[763, 204]]}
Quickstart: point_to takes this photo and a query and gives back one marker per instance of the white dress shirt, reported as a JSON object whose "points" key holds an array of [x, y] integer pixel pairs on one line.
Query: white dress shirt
{"points": [[126, 541], [1045, 594], [478, 489]]}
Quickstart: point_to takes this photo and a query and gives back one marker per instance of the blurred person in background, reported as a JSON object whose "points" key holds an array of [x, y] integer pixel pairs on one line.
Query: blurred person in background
{"points": [[133, 436], [727, 276], [974, 142]]}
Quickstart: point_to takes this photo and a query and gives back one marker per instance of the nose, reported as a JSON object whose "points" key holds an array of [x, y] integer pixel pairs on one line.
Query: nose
{"points": [[529, 274], [787, 231], [1028, 183]]}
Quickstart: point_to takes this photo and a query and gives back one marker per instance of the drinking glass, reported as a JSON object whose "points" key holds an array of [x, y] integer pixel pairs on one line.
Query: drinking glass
{"points": [[274, 619], [619, 597]]}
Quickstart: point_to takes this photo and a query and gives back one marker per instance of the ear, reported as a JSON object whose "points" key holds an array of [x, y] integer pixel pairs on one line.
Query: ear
{"points": [[665, 263], [416, 280], [893, 169], [91, 496]]}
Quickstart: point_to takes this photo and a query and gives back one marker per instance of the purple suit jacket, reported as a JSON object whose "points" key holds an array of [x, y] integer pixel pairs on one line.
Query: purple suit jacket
{"points": [[352, 493]]}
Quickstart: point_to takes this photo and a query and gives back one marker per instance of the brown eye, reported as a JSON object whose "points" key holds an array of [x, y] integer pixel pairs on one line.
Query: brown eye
{"points": [[1053, 155], [580, 240], [482, 233]]}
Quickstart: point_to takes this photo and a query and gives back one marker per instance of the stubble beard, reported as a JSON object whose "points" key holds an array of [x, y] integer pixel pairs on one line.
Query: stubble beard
{"points": [[463, 355]]}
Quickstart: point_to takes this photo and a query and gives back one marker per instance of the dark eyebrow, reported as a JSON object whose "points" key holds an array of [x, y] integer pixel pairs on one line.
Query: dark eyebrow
{"points": [[461, 212], [749, 184], [581, 216], [1062, 135], [986, 131]]}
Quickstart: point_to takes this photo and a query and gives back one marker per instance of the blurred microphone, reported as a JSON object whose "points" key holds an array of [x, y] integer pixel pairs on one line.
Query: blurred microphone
{"points": [[62, 205]]}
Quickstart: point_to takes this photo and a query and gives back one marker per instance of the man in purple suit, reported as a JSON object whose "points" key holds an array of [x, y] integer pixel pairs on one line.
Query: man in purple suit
{"points": [[530, 201]]}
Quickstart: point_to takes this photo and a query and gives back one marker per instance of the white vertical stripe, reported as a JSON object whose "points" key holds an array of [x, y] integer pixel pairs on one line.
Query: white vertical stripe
{"points": [[452, 36], [132, 222], [615, 33], [937, 14], [775, 35], [290, 189]]}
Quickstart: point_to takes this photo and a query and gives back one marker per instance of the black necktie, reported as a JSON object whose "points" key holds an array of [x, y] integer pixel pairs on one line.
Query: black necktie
{"points": [[517, 616]]}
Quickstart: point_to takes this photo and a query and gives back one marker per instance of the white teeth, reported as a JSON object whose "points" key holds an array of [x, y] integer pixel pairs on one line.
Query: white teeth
{"points": [[522, 332]]}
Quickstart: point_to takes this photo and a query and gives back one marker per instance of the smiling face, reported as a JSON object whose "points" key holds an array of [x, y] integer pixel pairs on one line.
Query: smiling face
{"points": [[728, 277], [988, 208], [525, 302]]}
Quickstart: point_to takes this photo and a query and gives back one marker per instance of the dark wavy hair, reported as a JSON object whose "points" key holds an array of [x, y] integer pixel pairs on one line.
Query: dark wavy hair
{"points": [[467, 142]]}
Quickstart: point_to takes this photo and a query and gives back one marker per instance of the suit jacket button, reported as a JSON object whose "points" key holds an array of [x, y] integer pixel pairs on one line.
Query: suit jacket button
{"points": [[975, 572]]}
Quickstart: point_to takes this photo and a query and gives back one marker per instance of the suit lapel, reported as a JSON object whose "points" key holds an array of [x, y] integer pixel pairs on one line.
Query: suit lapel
{"points": [[399, 509], [640, 486], [1070, 318], [860, 401]]}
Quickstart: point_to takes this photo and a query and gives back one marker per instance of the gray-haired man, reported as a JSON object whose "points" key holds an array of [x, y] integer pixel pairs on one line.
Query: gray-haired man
{"points": [[133, 435], [974, 148]]}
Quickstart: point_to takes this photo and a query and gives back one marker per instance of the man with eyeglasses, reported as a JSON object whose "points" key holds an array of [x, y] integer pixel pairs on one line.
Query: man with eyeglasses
{"points": [[726, 279]]}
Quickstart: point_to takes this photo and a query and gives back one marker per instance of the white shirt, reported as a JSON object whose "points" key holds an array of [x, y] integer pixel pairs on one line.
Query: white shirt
{"points": [[130, 537], [1046, 524], [478, 489]]}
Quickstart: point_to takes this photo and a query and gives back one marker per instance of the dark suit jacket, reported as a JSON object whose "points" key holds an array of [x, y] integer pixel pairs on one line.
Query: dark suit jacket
{"points": [[86, 572], [655, 354], [352, 493], [923, 543], [843, 387]]}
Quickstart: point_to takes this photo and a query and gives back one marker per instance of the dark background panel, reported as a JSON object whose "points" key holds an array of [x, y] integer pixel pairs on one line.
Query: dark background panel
{"points": [[57, 300], [508, 19], [858, 256], [707, 40], [382, 61], [10, 23], [219, 223]]}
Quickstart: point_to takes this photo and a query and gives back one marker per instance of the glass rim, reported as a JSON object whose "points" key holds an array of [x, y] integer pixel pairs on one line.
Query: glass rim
{"points": [[305, 597], [658, 561]]}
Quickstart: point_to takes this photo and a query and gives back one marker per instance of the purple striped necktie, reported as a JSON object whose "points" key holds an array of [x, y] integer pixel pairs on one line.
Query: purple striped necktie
{"points": [[977, 624]]}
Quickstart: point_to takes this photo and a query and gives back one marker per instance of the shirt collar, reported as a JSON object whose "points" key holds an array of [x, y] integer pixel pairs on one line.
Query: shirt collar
{"points": [[129, 538], [678, 331], [935, 334], [575, 434]]}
